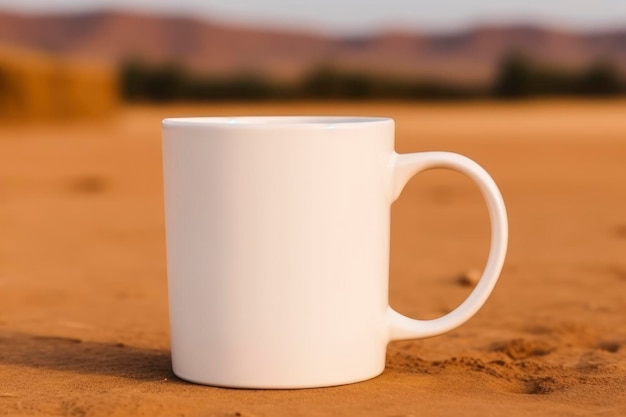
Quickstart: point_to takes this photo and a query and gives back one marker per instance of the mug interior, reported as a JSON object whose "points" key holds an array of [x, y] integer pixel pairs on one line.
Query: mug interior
{"points": [[272, 120]]}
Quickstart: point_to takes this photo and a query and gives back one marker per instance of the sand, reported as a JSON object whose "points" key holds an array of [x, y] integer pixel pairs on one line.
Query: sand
{"points": [[83, 297]]}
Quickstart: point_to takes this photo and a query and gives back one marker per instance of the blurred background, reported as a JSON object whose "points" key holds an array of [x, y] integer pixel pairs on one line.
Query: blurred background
{"points": [[64, 58], [533, 90]]}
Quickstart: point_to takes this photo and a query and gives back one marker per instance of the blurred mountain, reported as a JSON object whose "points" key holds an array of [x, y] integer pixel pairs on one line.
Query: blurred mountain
{"points": [[212, 47]]}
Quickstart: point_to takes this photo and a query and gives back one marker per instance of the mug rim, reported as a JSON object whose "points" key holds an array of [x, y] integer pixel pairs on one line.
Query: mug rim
{"points": [[327, 122]]}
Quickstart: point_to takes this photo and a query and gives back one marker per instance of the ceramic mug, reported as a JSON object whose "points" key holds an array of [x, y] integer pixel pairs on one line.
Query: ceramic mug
{"points": [[278, 248]]}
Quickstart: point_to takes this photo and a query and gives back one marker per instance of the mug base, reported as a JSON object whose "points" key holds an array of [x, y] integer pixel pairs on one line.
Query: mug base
{"points": [[269, 385]]}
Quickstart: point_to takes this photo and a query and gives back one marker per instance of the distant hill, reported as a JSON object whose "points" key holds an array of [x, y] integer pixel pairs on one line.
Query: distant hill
{"points": [[212, 47]]}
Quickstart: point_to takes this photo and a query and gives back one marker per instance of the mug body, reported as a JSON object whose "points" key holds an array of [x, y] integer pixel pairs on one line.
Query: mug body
{"points": [[278, 249]]}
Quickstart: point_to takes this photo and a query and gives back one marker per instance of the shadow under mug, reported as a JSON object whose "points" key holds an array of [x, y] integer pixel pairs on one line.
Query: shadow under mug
{"points": [[278, 248]]}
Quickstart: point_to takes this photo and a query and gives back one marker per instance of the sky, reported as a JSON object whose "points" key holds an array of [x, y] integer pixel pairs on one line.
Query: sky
{"points": [[363, 16]]}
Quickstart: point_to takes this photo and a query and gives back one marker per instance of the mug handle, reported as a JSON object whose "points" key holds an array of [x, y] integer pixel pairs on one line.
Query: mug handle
{"points": [[405, 166]]}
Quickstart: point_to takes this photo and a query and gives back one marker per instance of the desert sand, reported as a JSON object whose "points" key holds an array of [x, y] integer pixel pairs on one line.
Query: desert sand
{"points": [[83, 292]]}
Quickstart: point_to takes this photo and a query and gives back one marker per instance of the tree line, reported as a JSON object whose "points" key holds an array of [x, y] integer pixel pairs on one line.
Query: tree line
{"points": [[517, 77]]}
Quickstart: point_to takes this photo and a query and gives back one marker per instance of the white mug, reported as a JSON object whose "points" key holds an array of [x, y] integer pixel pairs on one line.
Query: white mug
{"points": [[278, 248]]}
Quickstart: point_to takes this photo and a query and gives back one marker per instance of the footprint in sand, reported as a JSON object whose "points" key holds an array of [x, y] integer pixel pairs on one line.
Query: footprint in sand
{"points": [[517, 349], [540, 385], [620, 231], [609, 346], [88, 184]]}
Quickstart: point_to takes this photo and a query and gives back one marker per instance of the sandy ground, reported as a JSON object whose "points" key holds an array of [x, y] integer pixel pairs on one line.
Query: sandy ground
{"points": [[83, 297]]}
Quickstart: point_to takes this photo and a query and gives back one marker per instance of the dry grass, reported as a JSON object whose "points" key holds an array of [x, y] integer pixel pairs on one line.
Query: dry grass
{"points": [[36, 86]]}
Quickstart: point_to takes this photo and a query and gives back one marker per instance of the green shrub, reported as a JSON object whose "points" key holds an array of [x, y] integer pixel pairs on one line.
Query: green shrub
{"points": [[517, 77]]}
